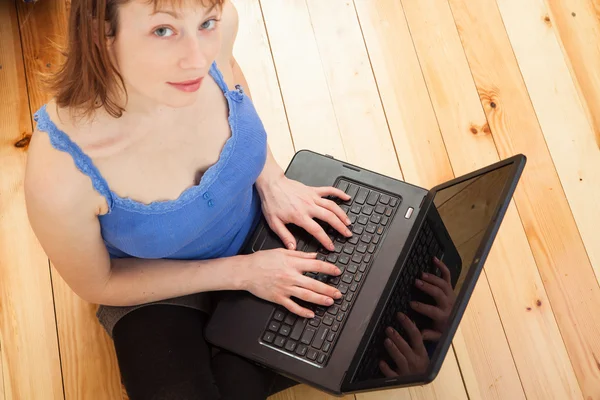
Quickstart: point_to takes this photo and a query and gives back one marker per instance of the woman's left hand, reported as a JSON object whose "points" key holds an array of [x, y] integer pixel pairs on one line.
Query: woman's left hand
{"points": [[286, 201]]}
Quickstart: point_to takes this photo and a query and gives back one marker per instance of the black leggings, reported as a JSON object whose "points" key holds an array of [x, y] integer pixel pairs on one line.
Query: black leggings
{"points": [[162, 355]]}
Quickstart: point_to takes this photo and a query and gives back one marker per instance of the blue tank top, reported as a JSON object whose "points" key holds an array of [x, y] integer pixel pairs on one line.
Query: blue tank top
{"points": [[208, 220]]}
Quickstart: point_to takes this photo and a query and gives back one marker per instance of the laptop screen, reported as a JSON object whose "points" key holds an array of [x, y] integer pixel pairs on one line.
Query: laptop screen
{"points": [[454, 229]]}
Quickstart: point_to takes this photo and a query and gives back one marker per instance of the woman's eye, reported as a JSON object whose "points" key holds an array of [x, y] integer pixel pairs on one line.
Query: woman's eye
{"points": [[210, 24], [163, 32]]}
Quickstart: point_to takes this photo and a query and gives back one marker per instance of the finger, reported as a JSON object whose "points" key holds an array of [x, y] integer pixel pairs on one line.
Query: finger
{"points": [[435, 292], [300, 254], [292, 306], [399, 356], [432, 312], [311, 297], [386, 370], [318, 287], [331, 191], [334, 208], [439, 282], [445, 271], [318, 266], [284, 234], [416, 340], [431, 335], [333, 220], [317, 231]]}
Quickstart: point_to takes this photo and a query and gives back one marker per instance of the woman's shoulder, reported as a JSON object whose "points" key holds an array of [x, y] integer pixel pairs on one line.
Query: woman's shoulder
{"points": [[51, 172]]}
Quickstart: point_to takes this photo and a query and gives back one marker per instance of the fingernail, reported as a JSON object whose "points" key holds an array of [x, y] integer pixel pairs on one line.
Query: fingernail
{"points": [[290, 245], [338, 271], [388, 342], [338, 295], [348, 232], [330, 301], [402, 316], [436, 259], [414, 304], [310, 315], [390, 330], [419, 282], [425, 275], [331, 246], [348, 222]]}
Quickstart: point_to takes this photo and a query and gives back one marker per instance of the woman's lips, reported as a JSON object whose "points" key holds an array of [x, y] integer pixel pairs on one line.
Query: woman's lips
{"points": [[187, 86]]}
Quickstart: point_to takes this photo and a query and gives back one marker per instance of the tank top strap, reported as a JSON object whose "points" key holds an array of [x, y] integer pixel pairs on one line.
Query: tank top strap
{"points": [[216, 74], [62, 142]]}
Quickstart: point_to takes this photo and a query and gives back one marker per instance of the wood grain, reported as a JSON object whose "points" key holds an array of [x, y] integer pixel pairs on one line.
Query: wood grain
{"points": [[30, 359], [512, 273], [578, 25], [87, 353], [405, 98], [1, 375], [561, 115], [553, 235], [253, 53]]}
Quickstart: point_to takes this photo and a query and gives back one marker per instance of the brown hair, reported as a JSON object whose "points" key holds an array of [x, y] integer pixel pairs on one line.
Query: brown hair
{"points": [[87, 79]]}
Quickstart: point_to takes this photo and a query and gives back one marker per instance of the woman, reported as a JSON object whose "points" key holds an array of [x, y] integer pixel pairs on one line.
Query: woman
{"points": [[147, 171]]}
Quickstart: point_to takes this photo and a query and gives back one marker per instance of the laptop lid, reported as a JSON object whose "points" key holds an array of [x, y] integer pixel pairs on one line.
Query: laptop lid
{"points": [[468, 211]]}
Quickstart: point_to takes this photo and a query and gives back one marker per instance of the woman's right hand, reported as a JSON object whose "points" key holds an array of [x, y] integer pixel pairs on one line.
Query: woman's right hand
{"points": [[277, 274]]}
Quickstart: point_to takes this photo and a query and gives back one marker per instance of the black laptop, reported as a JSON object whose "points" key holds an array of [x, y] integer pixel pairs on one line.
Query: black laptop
{"points": [[398, 229]]}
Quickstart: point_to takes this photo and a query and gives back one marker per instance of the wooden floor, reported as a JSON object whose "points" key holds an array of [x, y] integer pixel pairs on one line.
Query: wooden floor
{"points": [[417, 89]]}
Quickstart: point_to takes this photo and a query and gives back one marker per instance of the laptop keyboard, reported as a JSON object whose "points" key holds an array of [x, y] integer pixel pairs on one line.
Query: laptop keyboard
{"points": [[419, 260], [312, 340]]}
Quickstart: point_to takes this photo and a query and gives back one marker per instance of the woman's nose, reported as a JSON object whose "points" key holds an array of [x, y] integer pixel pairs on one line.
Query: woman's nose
{"points": [[193, 57]]}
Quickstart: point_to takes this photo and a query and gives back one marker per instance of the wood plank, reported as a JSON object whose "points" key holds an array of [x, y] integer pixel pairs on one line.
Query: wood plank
{"points": [[253, 53], [486, 360], [307, 100], [30, 359], [87, 353], [511, 270], [557, 247], [568, 133], [1, 375], [578, 25], [352, 87]]}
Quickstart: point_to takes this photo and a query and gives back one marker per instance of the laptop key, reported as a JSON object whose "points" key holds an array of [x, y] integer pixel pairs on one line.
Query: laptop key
{"points": [[354, 286], [290, 319], [361, 248], [268, 337], [338, 246], [345, 306], [353, 239], [384, 199], [363, 219], [321, 358], [380, 209], [327, 320], [352, 218], [344, 259], [320, 337], [363, 267], [315, 321], [331, 336], [332, 258], [361, 197], [355, 209], [333, 310], [371, 228], [320, 311], [384, 221], [352, 268], [388, 212], [358, 277], [301, 349], [308, 335], [376, 239], [358, 229], [326, 347], [347, 278], [285, 330], [279, 315], [274, 326], [371, 248], [290, 345], [393, 201], [298, 329], [368, 210], [357, 258], [348, 249], [311, 354], [373, 197], [343, 288], [334, 280], [279, 341], [375, 218], [342, 185]]}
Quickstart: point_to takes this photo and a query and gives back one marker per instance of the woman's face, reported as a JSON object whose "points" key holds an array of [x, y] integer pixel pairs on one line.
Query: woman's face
{"points": [[164, 56]]}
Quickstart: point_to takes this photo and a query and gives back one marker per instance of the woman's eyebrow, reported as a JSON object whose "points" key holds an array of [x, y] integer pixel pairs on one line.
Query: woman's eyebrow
{"points": [[177, 15]]}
